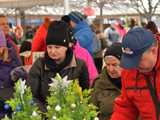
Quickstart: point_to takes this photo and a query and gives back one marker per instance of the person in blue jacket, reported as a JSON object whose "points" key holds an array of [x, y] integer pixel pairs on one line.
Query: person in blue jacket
{"points": [[81, 30]]}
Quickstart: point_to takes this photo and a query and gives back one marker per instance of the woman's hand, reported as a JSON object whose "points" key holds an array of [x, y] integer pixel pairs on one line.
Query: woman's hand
{"points": [[4, 54]]}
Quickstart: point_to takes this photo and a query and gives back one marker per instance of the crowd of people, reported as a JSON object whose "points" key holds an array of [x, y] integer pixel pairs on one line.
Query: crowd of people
{"points": [[120, 66]]}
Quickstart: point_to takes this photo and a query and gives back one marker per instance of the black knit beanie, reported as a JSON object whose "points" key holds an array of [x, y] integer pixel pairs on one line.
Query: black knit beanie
{"points": [[58, 34], [65, 18], [114, 50]]}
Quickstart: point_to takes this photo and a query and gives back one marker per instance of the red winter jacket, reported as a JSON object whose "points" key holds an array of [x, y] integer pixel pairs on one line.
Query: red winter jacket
{"points": [[135, 100], [38, 43], [39, 40]]}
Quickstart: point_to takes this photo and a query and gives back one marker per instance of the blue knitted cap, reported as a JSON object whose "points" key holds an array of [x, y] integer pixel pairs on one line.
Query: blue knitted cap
{"points": [[76, 16]]}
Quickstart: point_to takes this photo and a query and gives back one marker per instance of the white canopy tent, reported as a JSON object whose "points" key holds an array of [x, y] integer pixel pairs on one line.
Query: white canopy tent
{"points": [[27, 3], [55, 7], [40, 7], [61, 7]]}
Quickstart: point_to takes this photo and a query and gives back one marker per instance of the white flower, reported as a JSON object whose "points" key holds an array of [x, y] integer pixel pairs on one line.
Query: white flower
{"points": [[48, 107], [73, 105], [58, 108], [96, 118], [54, 83], [6, 118], [63, 81], [54, 118], [34, 113], [22, 86], [66, 82]]}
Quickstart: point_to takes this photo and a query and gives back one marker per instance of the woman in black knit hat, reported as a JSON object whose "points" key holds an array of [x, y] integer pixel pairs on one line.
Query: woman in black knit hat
{"points": [[59, 58], [107, 86]]}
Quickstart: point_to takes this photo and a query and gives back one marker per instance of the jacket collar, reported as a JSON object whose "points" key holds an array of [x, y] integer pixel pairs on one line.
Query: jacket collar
{"points": [[104, 76], [72, 64], [80, 26]]}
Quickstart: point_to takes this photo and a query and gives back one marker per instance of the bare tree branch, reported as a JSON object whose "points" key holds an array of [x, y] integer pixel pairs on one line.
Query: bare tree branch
{"points": [[156, 6], [136, 6], [142, 6]]}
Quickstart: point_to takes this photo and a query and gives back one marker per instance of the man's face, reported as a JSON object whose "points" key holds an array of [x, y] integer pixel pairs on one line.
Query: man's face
{"points": [[148, 60], [113, 66], [4, 25], [56, 52]]}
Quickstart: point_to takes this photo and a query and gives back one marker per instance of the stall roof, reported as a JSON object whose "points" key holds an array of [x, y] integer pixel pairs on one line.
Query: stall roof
{"points": [[26, 3], [56, 7]]}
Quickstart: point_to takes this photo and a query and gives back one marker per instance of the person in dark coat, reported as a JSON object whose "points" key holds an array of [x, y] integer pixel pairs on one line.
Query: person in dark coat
{"points": [[107, 86], [58, 58]]}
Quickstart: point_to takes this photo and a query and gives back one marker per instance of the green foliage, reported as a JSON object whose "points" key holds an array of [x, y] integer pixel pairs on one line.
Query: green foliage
{"points": [[68, 102], [22, 104]]}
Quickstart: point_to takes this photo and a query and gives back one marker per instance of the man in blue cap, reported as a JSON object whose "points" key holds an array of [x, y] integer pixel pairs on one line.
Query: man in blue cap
{"points": [[140, 78]]}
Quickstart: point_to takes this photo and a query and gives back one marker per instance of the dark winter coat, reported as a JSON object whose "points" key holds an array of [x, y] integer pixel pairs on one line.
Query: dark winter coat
{"points": [[40, 76], [104, 93]]}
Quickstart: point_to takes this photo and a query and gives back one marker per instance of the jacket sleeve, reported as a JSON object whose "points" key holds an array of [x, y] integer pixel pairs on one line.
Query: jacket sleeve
{"points": [[92, 70], [124, 109], [84, 76], [34, 82], [103, 96], [85, 39]]}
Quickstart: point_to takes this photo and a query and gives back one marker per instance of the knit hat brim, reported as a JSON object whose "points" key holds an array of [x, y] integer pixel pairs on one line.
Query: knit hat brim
{"points": [[114, 50], [58, 34]]}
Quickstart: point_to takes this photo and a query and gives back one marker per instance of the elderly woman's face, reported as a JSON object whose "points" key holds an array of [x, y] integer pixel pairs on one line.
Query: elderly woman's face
{"points": [[57, 52], [113, 66]]}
